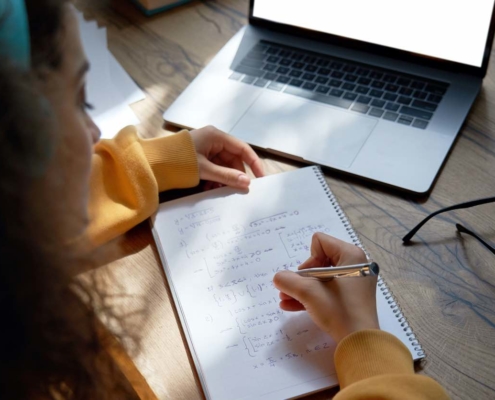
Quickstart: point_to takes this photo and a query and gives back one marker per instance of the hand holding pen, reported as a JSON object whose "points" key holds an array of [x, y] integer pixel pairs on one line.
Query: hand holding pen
{"points": [[338, 306]]}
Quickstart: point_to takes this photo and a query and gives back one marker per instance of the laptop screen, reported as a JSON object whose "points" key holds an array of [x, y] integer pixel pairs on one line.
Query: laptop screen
{"points": [[449, 30]]}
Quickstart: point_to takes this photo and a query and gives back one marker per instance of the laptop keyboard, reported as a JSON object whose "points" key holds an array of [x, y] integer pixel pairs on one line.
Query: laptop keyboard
{"points": [[396, 97]]}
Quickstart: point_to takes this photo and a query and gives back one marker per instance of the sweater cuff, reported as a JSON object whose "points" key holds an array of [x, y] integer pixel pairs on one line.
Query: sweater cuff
{"points": [[369, 353], [173, 160]]}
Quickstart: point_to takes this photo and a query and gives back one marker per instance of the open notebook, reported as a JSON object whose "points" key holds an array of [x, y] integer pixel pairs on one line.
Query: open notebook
{"points": [[220, 250]]}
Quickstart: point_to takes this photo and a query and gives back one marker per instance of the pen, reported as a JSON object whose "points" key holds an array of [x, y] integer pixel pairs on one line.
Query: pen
{"points": [[348, 271]]}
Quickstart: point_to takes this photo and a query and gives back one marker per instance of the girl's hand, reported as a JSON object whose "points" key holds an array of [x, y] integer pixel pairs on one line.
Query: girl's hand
{"points": [[340, 306], [221, 158]]}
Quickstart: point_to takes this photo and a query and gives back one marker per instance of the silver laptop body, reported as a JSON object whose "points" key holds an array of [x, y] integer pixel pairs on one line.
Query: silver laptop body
{"points": [[384, 113]]}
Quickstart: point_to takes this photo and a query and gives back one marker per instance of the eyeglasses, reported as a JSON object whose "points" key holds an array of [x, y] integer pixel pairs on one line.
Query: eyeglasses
{"points": [[460, 228]]}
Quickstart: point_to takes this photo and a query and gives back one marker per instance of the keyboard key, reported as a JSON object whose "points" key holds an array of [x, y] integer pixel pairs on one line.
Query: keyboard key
{"points": [[285, 53], [254, 55], [378, 84], [324, 71], [404, 100], [248, 71], [413, 112], [434, 98], [276, 86], [403, 81], [273, 50], [377, 103], [376, 75], [418, 123], [297, 65], [309, 86], [361, 108], [310, 59], [350, 96], [424, 105], [363, 99], [261, 82], [349, 68], [376, 112], [405, 91], [270, 76], [336, 92], [335, 83], [364, 81], [418, 94], [308, 77], [336, 65], [392, 106], [405, 120], [390, 97], [283, 79], [260, 47], [269, 67], [323, 89], [273, 59], [321, 80], [362, 90], [282, 70], [252, 63], [285, 62], [337, 74], [295, 73], [350, 78], [390, 78], [418, 85], [390, 116], [248, 79], [310, 68], [391, 88], [297, 56], [235, 76], [377, 93], [322, 62], [363, 72], [349, 86], [332, 100], [296, 82], [435, 89]]}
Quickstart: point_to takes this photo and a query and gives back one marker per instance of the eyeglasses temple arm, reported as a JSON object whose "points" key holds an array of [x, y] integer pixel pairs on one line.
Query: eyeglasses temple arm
{"points": [[467, 204], [462, 229]]}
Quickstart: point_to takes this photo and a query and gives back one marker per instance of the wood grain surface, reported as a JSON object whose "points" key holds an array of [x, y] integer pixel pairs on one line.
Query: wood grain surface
{"points": [[444, 282]]}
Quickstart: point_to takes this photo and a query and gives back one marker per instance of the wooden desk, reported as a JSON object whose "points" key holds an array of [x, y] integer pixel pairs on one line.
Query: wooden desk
{"points": [[444, 283]]}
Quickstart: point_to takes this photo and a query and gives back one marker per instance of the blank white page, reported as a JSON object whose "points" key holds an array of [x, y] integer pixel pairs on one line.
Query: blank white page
{"points": [[220, 250]]}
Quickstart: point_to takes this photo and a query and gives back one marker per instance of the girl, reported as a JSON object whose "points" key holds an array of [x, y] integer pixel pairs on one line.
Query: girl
{"points": [[62, 192]]}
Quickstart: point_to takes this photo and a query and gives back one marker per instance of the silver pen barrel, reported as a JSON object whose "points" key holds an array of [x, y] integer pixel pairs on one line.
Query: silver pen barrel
{"points": [[327, 273]]}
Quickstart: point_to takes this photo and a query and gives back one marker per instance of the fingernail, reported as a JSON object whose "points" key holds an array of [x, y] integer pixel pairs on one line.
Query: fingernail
{"points": [[243, 180]]}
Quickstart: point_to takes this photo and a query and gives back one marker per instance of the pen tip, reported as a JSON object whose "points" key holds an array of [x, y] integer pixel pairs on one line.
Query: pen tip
{"points": [[375, 269]]}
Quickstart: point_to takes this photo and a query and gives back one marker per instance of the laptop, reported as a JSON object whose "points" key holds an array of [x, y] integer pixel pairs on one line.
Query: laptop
{"points": [[374, 88]]}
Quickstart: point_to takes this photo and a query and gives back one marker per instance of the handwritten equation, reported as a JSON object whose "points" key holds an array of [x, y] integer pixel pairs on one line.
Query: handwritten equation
{"points": [[232, 263]]}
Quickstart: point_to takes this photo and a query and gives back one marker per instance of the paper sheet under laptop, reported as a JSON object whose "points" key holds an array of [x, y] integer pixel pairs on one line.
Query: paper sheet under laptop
{"points": [[109, 88]]}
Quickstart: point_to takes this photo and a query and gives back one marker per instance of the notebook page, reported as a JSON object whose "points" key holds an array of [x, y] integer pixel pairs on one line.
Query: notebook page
{"points": [[220, 250]]}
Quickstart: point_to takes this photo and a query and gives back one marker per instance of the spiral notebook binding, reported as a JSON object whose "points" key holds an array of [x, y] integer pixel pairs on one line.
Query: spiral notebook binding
{"points": [[382, 285]]}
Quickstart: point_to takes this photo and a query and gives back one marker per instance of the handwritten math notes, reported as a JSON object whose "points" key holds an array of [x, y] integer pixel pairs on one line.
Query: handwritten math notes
{"points": [[221, 250]]}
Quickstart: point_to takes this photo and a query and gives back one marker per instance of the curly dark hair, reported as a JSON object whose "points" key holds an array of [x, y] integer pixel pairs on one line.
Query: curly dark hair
{"points": [[50, 346]]}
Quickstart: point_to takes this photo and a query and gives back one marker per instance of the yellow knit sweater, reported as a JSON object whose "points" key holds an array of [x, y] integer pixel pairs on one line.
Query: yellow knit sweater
{"points": [[127, 175]]}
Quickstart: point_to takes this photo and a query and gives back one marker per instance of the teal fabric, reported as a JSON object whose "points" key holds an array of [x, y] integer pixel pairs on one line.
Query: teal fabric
{"points": [[14, 33]]}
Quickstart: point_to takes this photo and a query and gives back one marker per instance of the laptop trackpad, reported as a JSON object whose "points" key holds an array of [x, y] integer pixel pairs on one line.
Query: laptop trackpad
{"points": [[303, 128]]}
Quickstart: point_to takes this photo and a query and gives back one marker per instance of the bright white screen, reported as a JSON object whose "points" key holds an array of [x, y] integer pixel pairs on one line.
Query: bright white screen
{"points": [[454, 30]]}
